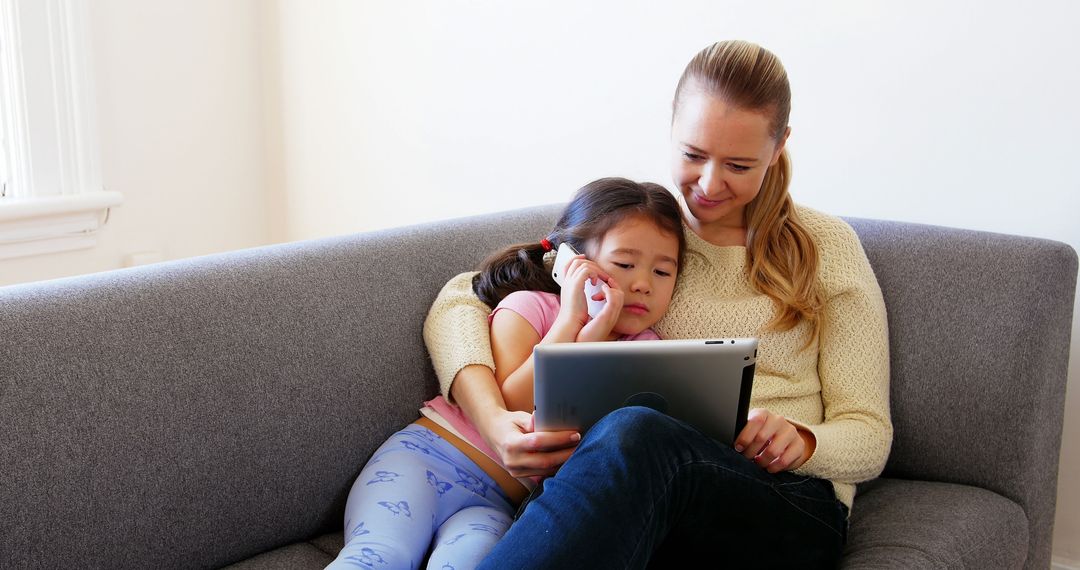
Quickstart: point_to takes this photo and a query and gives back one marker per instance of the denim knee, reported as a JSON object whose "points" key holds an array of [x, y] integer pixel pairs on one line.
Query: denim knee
{"points": [[635, 426], [634, 416]]}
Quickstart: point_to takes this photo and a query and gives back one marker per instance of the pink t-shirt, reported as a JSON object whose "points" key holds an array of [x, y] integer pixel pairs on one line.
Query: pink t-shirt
{"points": [[538, 308]]}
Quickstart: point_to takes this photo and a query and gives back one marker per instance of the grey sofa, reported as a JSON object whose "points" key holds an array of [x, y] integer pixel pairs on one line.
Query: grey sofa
{"points": [[214, 411]]}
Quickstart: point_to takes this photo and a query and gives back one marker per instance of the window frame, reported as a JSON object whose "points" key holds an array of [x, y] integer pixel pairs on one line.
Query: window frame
{"points": [[51, 195]]}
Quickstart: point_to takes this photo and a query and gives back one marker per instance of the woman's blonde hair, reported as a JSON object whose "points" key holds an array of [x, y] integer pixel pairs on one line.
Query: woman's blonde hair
{"points": [[783, 257]]}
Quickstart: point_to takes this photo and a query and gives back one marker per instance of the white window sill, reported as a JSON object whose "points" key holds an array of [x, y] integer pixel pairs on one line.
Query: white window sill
{"points": [[35, 226]]}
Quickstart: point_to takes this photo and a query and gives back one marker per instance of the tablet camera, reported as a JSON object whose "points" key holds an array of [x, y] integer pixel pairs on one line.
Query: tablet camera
{"points": [[648, 400]]}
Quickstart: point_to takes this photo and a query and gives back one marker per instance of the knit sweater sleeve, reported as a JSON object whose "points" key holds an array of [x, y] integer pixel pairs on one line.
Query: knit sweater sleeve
{"points": [[456, 331], [855, 436]]}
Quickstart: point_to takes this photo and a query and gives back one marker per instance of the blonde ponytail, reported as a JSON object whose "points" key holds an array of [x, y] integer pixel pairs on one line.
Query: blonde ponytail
{"points": [[783, 257]]}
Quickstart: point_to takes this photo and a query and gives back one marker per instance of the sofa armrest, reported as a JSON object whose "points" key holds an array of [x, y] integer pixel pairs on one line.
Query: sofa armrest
{"points": [[979, 334]]}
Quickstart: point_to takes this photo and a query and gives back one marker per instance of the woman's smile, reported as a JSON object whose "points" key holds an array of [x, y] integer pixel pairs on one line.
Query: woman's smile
{"points": [[707, 203]]}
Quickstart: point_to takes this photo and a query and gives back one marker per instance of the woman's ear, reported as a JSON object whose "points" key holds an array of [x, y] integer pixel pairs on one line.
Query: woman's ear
{"points": [[780, 146]]}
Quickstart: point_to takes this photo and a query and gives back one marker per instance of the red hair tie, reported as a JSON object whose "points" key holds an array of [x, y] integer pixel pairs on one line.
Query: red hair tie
{"points": [[544, 243]]}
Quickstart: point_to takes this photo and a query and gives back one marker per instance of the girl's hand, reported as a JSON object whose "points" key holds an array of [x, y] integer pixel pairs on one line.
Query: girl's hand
{"points": [[599, 328], [573, 310], [773, 442]]}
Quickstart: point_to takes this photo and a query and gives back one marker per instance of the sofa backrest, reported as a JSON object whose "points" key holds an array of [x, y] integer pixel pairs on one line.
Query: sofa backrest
{"points": [[194, 413]]}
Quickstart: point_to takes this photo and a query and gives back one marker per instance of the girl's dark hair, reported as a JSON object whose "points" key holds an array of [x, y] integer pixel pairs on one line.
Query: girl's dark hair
{"points": [[594, 210]]}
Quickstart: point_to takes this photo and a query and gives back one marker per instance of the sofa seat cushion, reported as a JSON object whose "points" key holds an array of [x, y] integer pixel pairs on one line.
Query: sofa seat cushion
{"points": [[895, 524], [921, 524], [299, 556], [330, 543]]}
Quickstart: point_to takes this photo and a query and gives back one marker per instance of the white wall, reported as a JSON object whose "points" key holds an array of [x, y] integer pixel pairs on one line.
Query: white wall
{"points": [[952, 113], [179, 95]]}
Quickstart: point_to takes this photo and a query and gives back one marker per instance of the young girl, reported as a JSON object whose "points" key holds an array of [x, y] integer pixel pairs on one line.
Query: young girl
{"points": [[435, 487]]}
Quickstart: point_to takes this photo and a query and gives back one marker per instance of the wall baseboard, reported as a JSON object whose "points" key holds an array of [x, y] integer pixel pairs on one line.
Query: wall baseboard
{"points": [[1059, 563]]}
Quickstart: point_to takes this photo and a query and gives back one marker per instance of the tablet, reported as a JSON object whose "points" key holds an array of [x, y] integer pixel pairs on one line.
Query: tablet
{"points": [[705, 382]]}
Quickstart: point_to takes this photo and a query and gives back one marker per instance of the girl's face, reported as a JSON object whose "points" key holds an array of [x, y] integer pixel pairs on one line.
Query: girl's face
{"points": [[643, 260], [720, 154]]}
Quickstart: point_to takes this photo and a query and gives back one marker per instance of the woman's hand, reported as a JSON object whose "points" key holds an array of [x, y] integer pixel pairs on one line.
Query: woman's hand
{"points": [[527, 453], [774, 443], [509, 434]]}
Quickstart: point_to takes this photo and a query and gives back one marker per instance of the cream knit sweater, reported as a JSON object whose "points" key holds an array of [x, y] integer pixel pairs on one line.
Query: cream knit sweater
{"points": [[838, 388]]}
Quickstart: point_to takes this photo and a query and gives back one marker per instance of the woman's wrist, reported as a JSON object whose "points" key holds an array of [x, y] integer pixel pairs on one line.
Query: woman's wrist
{"points": [[809, 445], [477, 393], [490, 424]]}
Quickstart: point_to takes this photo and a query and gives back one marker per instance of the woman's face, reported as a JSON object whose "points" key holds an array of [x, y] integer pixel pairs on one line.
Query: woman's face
{"points": [[719, 157]]}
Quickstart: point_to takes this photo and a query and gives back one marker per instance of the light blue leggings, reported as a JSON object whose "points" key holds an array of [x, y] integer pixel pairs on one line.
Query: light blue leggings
{"points": [[418, 494]]}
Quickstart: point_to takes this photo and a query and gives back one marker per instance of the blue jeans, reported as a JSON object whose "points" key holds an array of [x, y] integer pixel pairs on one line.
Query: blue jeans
{"points": [[644, 490]]}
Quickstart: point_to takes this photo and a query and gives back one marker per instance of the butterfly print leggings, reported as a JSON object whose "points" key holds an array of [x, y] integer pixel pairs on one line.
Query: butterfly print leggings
{"points": [[420, 494]]}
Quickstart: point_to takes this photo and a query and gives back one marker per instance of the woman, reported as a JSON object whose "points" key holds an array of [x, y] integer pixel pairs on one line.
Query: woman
{"points": [[640, 486]]}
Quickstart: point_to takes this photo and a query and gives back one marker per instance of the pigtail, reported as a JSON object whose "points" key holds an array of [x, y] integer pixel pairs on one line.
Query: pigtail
{"points": [[516, 268]]}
